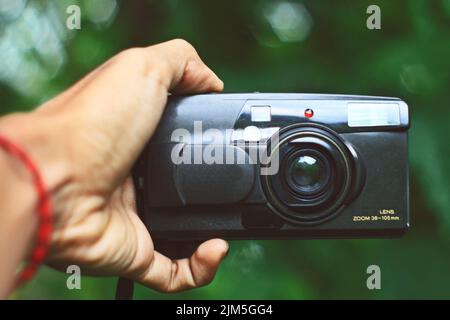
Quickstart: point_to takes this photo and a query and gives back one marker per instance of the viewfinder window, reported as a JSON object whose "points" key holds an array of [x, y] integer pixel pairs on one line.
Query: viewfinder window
{"points": [[261, 113]]}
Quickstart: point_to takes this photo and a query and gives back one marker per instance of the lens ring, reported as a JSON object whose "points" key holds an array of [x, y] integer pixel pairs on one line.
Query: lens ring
{"points": [[325, 205], [288, 193]]}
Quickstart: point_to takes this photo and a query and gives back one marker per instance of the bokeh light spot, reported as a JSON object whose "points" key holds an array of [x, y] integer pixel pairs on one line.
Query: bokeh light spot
{"points": [[291, 22]]}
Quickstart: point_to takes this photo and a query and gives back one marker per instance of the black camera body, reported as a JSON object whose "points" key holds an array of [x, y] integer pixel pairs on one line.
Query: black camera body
{"points": [[276, 166]]}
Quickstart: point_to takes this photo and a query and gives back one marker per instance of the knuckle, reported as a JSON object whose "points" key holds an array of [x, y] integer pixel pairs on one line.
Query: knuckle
{"points": [[132, 55], [183, 44], [170, 285], [135, 59]]}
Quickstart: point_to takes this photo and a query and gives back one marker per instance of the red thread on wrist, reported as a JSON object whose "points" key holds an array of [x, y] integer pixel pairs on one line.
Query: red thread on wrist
{"points": [[44, 210]]}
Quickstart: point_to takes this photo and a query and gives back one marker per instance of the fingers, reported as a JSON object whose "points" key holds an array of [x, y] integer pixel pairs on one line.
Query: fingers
{"points": [[168, 275], [198, 78], [175, 63], [189, 72], [109, 116]]}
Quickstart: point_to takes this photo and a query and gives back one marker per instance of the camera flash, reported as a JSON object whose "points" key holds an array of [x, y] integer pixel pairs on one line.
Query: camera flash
{"points": [[363, 114]]}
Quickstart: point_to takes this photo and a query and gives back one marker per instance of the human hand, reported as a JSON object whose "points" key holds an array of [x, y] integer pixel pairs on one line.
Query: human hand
{"points": [[86, 140]]}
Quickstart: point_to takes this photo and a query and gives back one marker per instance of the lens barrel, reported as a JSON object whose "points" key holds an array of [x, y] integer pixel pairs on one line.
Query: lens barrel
{"points": [[318, 172]]}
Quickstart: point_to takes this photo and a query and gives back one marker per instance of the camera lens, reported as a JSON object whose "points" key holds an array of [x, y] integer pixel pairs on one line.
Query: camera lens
{"points": [[308, 173], [315, 176]]}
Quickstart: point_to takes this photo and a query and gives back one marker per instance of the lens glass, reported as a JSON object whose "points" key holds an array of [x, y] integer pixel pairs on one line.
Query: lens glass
{"points": [[308, 173]]}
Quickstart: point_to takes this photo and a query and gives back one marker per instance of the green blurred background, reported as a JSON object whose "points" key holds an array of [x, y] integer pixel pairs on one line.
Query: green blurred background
{"points": [[276, 46]]}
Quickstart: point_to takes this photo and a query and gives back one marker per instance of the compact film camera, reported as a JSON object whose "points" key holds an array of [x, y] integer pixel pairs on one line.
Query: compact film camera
{"points": [[276, 166]]}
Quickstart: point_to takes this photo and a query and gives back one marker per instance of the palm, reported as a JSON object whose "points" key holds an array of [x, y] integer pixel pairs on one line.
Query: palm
{"points": [[117, 243]]}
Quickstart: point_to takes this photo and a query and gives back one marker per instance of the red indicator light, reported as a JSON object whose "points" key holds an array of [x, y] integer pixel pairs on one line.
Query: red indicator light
{"points": [[309, 113]]}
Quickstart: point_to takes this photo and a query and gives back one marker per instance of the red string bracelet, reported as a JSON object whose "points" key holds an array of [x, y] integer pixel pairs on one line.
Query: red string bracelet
{"points": [[44, 208]]}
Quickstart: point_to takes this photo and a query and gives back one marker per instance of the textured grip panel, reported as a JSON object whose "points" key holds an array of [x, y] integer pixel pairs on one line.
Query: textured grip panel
{"points": [[215, 183]]}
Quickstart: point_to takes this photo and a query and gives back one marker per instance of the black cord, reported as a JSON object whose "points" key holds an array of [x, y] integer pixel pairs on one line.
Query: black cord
{"points": [[124, 289]]}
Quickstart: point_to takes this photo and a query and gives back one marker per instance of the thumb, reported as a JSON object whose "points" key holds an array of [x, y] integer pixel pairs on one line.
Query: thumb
{"points": [[168, 275]]}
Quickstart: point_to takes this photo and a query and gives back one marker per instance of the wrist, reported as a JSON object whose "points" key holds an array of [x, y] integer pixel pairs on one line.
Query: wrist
{"points": [[18, 218], [18, 198], [37, 135]]}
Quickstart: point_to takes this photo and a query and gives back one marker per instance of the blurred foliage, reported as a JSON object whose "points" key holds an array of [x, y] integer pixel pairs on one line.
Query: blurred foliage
{"points": [[277, 46]]}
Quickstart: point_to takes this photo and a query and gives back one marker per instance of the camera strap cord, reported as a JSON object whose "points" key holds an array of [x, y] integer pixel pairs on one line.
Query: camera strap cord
{"points": [[125, 286], [124, 289]]}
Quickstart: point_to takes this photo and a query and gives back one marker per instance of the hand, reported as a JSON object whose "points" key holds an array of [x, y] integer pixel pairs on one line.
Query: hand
{"points": [[85, 142]]}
